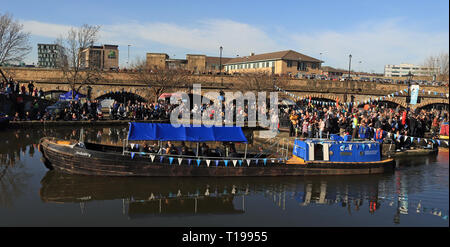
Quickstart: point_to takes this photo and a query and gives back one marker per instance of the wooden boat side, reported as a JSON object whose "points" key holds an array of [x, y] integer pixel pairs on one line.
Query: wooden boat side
{"points": [[76, 160]]}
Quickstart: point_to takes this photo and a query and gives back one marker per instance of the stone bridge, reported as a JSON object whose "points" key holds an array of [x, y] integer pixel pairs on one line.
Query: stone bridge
{"points": [[50, 81]]}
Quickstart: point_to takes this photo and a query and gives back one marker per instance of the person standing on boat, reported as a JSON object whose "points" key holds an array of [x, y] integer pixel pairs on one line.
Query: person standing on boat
{"points": [[380, 134], [363, 131], [169, 148], [204, 150], [293, 124], [321, 128], [355, 126]]}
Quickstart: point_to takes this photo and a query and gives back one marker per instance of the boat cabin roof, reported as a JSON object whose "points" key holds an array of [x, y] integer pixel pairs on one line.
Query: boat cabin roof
{"points": [[191, 133]]}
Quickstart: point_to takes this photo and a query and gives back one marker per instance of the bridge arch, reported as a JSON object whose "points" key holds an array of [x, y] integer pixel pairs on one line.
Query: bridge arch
{"points": [[53, 94], [439, 103], [122, 97], [314, 96], [393, 102]]}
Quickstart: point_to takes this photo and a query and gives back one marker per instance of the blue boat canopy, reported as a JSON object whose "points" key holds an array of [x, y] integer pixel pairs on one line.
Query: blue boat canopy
{"points": [[167, 132]]}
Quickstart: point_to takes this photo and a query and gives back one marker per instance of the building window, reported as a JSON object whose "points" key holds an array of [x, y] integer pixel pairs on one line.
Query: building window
{"points": [[289, 64]]}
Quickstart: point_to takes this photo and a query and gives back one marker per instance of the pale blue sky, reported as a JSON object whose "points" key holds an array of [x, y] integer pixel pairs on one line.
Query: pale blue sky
{"points": [[374, 32]]}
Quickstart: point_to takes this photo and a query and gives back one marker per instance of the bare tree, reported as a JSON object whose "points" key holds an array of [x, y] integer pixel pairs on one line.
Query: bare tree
{"points": [[72, 58], [443, 66], [441, 62], [14, 42], [160, 80]]}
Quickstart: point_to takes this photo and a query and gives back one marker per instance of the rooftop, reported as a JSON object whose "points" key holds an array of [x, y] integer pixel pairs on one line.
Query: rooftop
{"points": [[283, 55]]}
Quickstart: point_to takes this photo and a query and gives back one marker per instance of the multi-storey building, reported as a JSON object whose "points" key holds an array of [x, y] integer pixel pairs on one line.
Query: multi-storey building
{"points": [[193, 62], [105, 57], [281, 62], [404, 69], [48, 55]]}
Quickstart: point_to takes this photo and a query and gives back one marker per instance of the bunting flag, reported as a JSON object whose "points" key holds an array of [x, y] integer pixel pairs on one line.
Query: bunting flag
{"points": [[418, 140], [170, 160], [180, 160], [265, 161], [152, 157], [207, 162], [256, 162], [226, 162], [132, 154], [240, 162], [350, 147], [198, 162], [363, 146], [248, 162], [189, 161], [412, 139], [132, 145], [234, 163], [217, 162], [404, 139], [370, 145], [439, 142], [161, 159]]}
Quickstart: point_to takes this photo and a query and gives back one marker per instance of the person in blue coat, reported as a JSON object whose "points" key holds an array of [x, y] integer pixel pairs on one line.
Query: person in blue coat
{"points": [[363, 131]]}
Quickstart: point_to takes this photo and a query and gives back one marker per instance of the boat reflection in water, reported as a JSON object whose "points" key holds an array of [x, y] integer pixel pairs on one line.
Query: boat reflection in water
{"points": [[143, 196], [184, 196]]}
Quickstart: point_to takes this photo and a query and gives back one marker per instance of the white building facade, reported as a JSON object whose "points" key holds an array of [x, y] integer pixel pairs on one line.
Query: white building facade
{"points": [[404, 69]]}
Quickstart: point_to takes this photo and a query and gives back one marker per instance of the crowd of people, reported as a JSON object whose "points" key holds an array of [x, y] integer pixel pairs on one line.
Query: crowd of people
{"points": [[14, 87], [305, 120], [375, 122]]}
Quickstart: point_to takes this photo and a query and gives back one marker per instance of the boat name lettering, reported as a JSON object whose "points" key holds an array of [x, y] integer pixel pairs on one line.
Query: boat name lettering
{"points": [[83, 154], [345, 148]]}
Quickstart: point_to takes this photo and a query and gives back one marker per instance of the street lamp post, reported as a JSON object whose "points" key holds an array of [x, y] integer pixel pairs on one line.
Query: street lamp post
{"points": [[128, 59], [349, 65], [220, 61], [220, 65]]}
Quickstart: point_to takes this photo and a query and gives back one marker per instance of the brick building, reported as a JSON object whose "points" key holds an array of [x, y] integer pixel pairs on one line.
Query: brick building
{"points": [[105, 57], [196, 63], [281, 62]]}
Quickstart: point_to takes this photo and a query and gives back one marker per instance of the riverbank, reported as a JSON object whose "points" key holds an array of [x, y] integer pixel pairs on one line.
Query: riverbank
{"points": [[55, 123], [28, 124]]}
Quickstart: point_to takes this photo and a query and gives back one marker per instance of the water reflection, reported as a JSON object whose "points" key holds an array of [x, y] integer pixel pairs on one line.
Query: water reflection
{"points": [[143, 197], [416, 187], [14, 147]]}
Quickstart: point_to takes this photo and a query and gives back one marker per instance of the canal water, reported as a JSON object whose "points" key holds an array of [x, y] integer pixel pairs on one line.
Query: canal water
{"points": [[415, 194]]}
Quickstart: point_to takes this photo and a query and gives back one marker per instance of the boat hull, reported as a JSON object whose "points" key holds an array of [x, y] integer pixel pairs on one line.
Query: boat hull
{"points": [[76, 160], [416, 152]]}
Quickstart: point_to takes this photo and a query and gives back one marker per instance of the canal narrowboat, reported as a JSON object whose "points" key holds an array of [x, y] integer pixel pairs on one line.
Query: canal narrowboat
{"points": [[97, 159], [338, 157]]}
